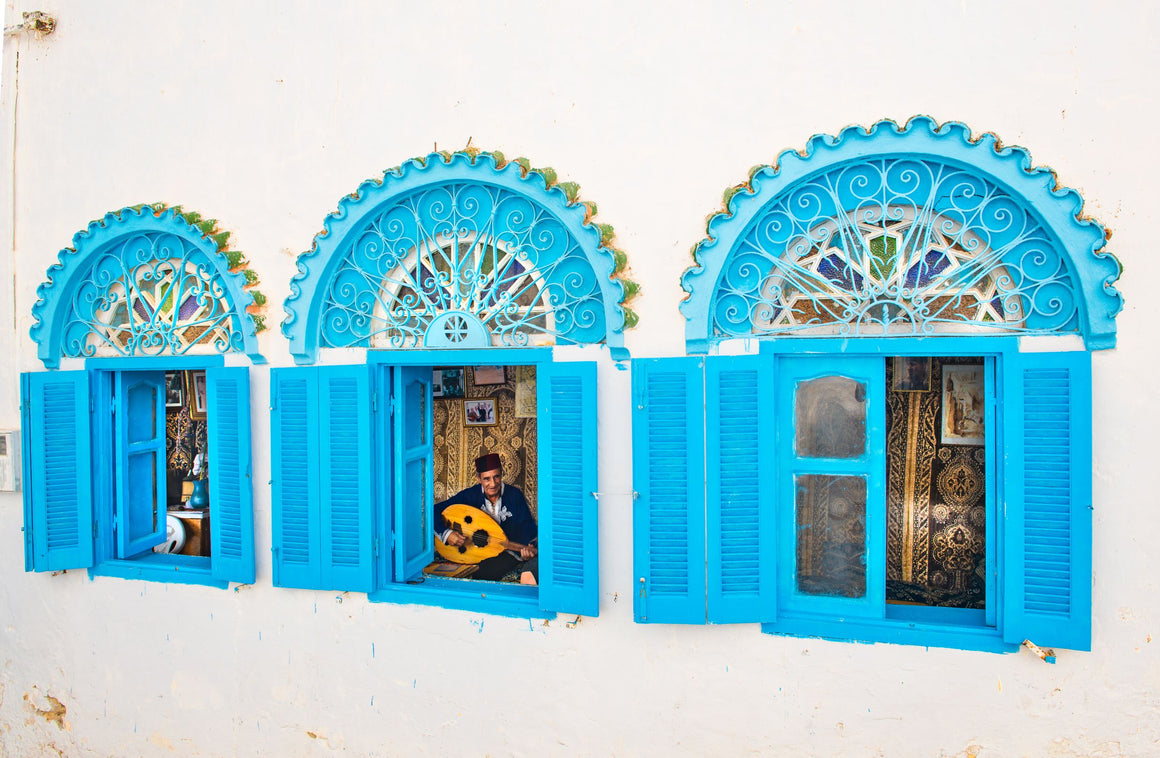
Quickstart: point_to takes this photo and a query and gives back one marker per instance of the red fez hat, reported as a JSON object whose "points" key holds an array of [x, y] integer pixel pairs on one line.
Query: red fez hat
{"points": [[489, 462]]}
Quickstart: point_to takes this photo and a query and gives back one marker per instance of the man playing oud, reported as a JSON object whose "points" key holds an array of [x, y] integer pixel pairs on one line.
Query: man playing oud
{"points": [[506, 504]]}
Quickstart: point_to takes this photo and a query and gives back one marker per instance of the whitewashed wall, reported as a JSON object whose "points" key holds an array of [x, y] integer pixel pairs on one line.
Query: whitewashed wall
{"points": [[264, 114]]}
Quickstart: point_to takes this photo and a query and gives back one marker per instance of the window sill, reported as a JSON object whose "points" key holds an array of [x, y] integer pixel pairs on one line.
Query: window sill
{"points": [[897, 631], [155, 567], [496, 598]]}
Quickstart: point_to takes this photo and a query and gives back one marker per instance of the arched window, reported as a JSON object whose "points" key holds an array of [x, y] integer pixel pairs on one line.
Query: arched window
{"points": [[466, 279], [151, 298], [904, 454]]}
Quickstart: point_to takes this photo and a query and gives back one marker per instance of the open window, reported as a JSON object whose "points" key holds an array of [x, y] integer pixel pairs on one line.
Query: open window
{"points": [[857, 496], [139, 465], [362, 454], [114, 487], [901, 449], [473, 285]]}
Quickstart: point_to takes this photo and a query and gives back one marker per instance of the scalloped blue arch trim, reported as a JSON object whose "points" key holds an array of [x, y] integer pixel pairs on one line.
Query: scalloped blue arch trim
{"points": [[1080, 239], [316, 267], [73, 266]]}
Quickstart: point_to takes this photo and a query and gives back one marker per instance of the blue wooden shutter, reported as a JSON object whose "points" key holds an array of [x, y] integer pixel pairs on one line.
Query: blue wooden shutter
{"points": [[141, 465], [567, 518], [1047, 492], [294, 477], [230, 474], [58, 487], [741, 513], [346, 483], [668, 472], [414, 471]]}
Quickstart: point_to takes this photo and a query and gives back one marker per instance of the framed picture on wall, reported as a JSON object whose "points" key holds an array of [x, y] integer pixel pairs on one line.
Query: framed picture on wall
{"points": [[962, 405], [447, 382], [197, 395], [489, 375], [174, 389], [911, 374], [479, 412]]}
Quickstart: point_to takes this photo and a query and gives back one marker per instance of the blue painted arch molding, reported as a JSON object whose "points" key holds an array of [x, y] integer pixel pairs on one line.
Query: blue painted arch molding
{"points": [[334, 247], [75, 265], [1077, 240]]}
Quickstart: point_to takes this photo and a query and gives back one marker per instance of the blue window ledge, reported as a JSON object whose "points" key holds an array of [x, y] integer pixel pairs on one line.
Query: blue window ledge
{"points": [[156, 567], [496, 598], [899, 631]]}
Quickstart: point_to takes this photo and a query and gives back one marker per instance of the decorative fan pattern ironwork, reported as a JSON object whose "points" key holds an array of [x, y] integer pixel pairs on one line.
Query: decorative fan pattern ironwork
{"points": [[151, 294], [463, 265], [895, 246]]}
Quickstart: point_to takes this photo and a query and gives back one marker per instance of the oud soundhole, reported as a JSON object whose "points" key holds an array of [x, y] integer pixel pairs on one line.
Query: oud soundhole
{"points": [[467, 519], [479, 538]]}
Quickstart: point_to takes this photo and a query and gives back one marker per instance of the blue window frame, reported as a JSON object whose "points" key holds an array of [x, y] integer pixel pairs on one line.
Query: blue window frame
{"points": [[152, 288], [352, 479], [877, 243], [461, 259]]}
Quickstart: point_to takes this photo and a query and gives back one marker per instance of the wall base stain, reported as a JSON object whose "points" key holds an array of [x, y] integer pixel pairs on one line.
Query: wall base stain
{"points": [[52, 712]]}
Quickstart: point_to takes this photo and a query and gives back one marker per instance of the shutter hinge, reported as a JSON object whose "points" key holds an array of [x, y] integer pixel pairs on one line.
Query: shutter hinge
{"points": [[376, 553], [374, 402], [95, 523], [391, 404]]}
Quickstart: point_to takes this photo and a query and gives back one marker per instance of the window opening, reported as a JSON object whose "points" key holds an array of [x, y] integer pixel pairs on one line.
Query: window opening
{"points": [[888, 471], [188, 505], [479, 411], [937, 499], [161, 509]]}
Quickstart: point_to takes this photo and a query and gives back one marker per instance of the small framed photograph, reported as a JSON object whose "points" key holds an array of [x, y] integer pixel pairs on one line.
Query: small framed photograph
{"points": [[962, 405], [197, 395], [447, 382], [911, 374], [489, 375], [479, 412], [174, 389]]}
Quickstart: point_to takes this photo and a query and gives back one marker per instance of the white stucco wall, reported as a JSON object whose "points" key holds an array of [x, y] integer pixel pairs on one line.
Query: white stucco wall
{"points": [[264, 114]]}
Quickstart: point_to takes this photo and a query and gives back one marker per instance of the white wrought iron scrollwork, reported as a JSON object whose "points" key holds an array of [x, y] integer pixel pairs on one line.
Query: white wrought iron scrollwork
{"points": [[462, 265]]}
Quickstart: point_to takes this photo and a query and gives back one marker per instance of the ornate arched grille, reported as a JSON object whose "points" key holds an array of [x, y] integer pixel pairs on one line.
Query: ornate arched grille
{"points": [[866, 234], [463, 265], [145, 282], [459, 250]]}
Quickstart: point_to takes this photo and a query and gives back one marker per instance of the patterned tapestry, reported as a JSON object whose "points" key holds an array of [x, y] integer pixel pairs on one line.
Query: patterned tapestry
{"points": [[184, 436], [935, 499], [513, 437]]}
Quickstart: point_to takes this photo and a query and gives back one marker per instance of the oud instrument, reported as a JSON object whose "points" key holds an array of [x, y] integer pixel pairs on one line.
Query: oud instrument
{"points": [[483, 536]]}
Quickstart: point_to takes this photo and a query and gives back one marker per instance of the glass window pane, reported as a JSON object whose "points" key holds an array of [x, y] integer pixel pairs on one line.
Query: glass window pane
{"points": [[830, 418], [831, 535], [142, 411], [415, 431]]}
